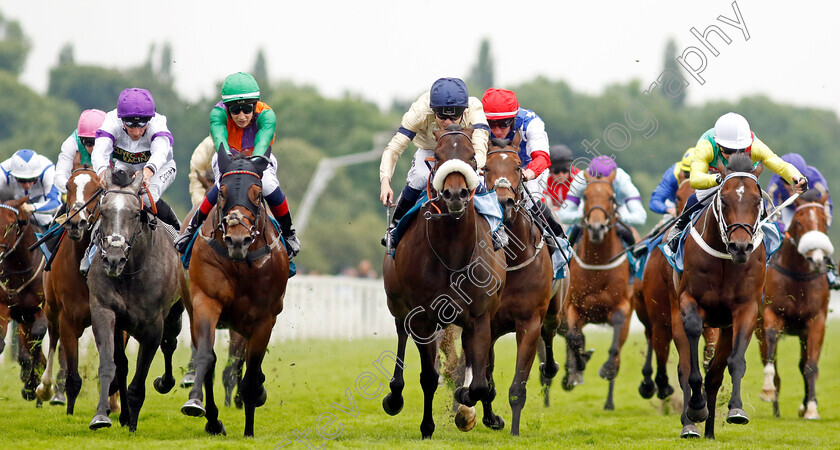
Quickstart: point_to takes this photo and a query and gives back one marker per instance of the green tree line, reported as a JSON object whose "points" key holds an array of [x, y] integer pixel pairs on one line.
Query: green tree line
{"points": [[348, 219]]}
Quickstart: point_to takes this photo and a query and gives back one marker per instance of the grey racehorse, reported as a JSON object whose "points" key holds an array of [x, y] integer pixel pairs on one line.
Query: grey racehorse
{"points": [[135, 283]]}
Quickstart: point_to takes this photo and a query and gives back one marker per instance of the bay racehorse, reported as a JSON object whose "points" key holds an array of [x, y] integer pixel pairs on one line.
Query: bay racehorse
{"points": [[528, 284], [720, 287], [598, 291], [445, 271], [66, 295], [135, 283], [796, 299], [651, 301], [21, 272], [238, 274]]}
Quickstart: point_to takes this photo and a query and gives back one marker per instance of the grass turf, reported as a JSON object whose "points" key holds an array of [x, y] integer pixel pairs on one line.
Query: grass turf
{"points": [[306, 379]]}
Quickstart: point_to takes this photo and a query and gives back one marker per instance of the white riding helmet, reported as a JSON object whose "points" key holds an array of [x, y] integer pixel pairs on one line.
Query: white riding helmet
{"points": [[732, 131], [25, 165]]}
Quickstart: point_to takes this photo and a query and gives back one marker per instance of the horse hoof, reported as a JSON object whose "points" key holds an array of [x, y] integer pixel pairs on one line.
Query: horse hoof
{"points": [[262, 397], [647, 389], [193, 408], [188, 381], [43, 392], [215, 430], [462, 396], [494, 422], [737, 416], [567, 383], [100, 421], [665, 392], [465, 418], [690, 431], [697, 415], [58, 399], [164, 384], [392, 404], [28, 394], [608, 371], [549, 371], [810, 412], [587, 355], [768, 395]]}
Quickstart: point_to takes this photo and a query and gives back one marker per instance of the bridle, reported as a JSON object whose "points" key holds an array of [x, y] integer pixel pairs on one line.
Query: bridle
{"points": [[504, 183], [725, 229], [235, 217], [609, 214], [81, 209], [18, 228], [433, 174], [118, 240]]}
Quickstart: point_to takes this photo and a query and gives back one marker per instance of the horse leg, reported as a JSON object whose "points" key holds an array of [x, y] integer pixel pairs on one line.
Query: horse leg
{"points": [[70, 334], [490, 419], [714, 377], [4, 325], [576, 357], [232, 374], [768, 332], [103, 321], [428, 381], [189, 377], [681, 341], [392, 403], [205, 316], [609, 370], [45, 390], [137, 389], [477, 348], [120, 382], [697, 409], [168, 343], [253, 392], [545, 383], [662, 338], [31, 357], [743, 325], [527, 337], [811, 352], [710, 337], [549, 367], [646, 387]]}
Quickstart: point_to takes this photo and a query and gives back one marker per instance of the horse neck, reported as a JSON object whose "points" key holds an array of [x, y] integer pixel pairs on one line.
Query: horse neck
{"points": [[140, 250], [524, 236], [445, 231], [790, 257], [21, 258]]}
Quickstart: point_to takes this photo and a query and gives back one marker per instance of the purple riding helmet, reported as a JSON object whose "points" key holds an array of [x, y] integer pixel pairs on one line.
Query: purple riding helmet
{"points": [[602, 166], [135, 102]]}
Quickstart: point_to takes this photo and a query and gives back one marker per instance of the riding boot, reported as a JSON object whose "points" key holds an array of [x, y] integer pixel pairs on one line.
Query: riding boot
{"points": [[625, 234], [183, 240], [673, 237], [539, 209], [166, 214], [833, 283], [292, 242], [403, 206], [90, 251], [574, 234]]}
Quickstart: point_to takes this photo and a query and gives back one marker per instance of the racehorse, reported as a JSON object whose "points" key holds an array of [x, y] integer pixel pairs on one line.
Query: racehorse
{"points": [[238, 274], [796, 299], [135, 284], [528, 284], [651, 300], [445, 271], [232, 374], [66, 303], [598, 291], [21, 274], [720, 287]]}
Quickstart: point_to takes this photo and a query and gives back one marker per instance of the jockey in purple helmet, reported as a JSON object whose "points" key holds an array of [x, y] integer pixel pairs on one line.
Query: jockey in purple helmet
{"points": [[627, 197]]}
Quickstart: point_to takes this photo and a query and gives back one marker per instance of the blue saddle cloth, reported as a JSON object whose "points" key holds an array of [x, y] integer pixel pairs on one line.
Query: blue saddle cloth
{"points": [[772, 241], [56, 228], [185, 258], [486, 204], [558, 261], [637, 265]]}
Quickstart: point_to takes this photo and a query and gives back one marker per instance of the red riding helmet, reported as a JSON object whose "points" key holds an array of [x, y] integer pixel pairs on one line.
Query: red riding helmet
{"points": [[499, 104]]}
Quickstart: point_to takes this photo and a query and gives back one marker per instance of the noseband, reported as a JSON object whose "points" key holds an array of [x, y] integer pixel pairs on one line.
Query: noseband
{"points": [[233, 218], [504, 183], [725, 229], [117, 240]]}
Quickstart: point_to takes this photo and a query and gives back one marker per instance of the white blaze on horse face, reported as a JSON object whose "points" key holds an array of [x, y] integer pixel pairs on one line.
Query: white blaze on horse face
{"points": [[81, 181], [504, 156], [740, 192]]}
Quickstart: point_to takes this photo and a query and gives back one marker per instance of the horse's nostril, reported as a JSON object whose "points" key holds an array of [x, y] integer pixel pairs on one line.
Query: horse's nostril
{"points": [[510, 203], [447, 195], [228, 240], [464, 194]]}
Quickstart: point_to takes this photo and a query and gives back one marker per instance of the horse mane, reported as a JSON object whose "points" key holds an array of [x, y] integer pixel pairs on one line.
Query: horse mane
{"points": [[122, 178], [499, 142], [454, 127], [740, 162]]}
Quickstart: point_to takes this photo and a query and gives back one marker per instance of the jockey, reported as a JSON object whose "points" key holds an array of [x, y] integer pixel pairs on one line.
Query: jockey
{"points": [[445, 104], [200, 162], [81, 143], [506, 118], [627, 198], [561, 176], [730, 135], [241, 123], [780, 191], [28, 173], [134, 137], [664, 197]]}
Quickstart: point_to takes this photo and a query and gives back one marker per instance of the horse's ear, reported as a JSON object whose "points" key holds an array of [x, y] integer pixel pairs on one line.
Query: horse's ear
{"points": [[468, 131], [758, 169], [138, 181], [260, 164], [223, 158], [77, 161], [438, 132], [611, 176], [19, 202], [517, 138], [109, 175]]}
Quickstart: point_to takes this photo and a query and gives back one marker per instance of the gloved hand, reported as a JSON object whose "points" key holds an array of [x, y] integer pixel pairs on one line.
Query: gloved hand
{"points": [[28, 208]]}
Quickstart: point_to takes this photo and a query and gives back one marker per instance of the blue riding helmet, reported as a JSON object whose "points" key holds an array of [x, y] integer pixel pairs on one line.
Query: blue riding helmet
{"points": [[449, 96]]}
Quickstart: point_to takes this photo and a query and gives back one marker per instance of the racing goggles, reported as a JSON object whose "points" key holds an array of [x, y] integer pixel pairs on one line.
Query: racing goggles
{"points": [[452, 113], [87, 141], [501, 123], [135, 122], [246, 108]]}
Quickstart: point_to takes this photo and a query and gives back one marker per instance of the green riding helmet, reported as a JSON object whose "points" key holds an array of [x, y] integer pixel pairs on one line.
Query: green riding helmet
{"points": [[240, 87]]}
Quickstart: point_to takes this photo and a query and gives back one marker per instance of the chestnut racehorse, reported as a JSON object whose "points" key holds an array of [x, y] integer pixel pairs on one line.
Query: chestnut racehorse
{"points": [[528, 285], [796, 299], [720, 287], [445, 271], [238, 276], [598, 291], [651, 300], [21, 274]]}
